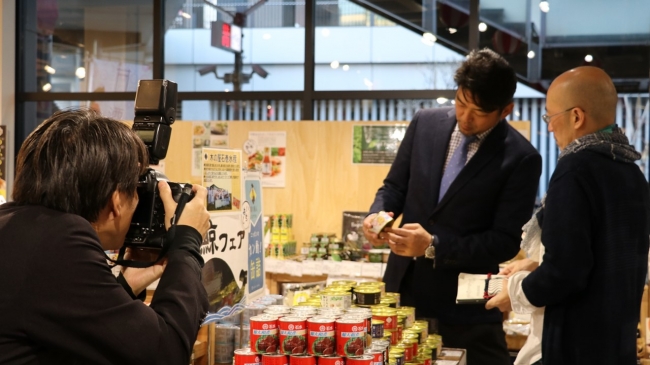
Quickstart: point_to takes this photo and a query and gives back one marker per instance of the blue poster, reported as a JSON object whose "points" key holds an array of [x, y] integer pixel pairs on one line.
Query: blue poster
{"points": [[253, 209]]}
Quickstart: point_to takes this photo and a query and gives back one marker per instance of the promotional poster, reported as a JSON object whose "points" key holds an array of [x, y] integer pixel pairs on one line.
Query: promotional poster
{"points": [[233, 274]]}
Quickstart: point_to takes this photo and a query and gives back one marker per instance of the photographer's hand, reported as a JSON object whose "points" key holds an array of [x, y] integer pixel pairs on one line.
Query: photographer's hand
{"points": [[139, 279], [195, 213]]}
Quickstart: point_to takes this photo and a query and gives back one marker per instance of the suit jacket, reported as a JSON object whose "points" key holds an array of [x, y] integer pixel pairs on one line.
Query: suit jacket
{"points": [[60, 302], [478, 221], [595, 227]]}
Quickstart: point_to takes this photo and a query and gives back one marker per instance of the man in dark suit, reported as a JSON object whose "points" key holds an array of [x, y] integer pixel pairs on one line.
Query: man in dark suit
{"points": [[464, 182]]}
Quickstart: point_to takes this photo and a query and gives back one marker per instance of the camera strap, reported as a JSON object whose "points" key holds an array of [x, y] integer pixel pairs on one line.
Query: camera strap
{"points": [[169, 237]]}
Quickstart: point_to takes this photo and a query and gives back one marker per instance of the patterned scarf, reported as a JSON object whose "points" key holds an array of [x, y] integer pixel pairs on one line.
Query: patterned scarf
{"points": [[614, 144]]}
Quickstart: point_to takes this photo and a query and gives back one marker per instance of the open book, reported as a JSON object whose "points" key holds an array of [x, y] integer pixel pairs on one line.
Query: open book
{"points": [[478, 288]]}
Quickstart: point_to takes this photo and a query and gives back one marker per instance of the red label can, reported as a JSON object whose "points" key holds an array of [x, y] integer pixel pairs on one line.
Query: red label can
{"points": [[321, 338], [247, 357], [330, 360], [390, 321], [303, 360], [350, 337], [293, 335], [274, 359], [377, 357], [264, 334], [360, 360]]}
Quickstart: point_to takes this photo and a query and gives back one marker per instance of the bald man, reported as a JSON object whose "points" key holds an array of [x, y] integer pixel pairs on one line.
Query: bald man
{"points": [[595, 224]]}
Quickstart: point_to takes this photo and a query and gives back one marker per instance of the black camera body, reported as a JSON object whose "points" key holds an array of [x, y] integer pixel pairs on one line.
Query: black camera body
{"points": [[155, 111]]}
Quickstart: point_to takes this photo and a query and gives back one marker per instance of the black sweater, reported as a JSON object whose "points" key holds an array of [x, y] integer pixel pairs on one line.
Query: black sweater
{"points": [[595, 230], [60, 302]]}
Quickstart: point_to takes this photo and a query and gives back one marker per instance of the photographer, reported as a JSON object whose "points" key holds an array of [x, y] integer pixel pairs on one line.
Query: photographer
{"points": [[74, 197]]}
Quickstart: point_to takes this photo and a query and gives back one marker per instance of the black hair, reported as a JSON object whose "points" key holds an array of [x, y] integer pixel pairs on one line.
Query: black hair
{"points": [[75, 160], [489, 78]]}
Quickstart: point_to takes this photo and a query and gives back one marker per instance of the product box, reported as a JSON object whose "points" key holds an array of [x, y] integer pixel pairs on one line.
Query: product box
{"points": [[451, 356]]}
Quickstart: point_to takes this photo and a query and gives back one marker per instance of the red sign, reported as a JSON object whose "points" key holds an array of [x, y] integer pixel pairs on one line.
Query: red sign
{"points": [[225, 35]]}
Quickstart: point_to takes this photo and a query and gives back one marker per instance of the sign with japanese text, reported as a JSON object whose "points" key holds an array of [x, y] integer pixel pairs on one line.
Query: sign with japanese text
{"points": [[254, 224], [221, 175]]}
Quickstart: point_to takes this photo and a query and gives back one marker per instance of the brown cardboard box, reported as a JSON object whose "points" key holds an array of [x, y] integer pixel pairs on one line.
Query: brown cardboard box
{"points": [[449, 356]]}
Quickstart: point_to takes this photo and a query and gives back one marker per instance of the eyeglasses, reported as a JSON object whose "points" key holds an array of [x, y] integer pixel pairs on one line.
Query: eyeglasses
{"points": [[547, 118]]}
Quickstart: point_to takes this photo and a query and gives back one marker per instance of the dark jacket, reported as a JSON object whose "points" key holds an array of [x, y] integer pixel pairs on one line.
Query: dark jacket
{"points": [[595, 230], [60, 302], [478, 221]]}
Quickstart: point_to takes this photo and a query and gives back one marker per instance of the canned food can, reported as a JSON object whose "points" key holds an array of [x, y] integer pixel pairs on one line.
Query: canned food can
{"points": [[388, 315], [409, 312], [244, 337], [394, 295], [365, 295], [247, 357], [293, 335], [398, 357], [391, 302], [225, 333], [337, 299], [425, 360], [274, 359], [378, 356], [350, 337], [321, 336], [408, 351], [224, 352], [377, 328], [304, 359], [344, 283], [331, 360], [360, 360], [264, 334], [252, 310], [383, 346], [413, 342]]}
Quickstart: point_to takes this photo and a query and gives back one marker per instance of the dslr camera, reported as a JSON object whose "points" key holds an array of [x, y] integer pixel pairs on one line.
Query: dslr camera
{"points": [[155, 112]]}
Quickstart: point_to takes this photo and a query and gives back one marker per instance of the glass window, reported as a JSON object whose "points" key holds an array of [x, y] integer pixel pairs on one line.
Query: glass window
{"points": [[84, 46], [272, 43]]}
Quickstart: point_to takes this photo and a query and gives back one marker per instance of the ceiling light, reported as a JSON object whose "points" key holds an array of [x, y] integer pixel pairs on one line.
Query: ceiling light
{"points": [[482, 27], [589, 58], [47, 87], [184, 14], [80, 72], [346, 67], [429, 37], [266, 36], [442, 100], [544, 6], [334, 64], [325, 32], [531, 54], [49, 69], [452, 30]]}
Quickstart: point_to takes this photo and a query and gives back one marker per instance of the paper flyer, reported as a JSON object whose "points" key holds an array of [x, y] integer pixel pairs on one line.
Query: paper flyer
{"points": [[266, 152], [221, 175], [376, 144], [207, 134]]}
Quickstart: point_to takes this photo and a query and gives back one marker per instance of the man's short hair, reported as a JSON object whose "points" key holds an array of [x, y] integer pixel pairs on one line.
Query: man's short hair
{"points": [[75, 160], [489, 78]]}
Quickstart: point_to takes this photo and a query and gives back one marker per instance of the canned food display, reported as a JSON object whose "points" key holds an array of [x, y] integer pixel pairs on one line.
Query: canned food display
{"points": [[388, 315], [336, 299], [377, 328], [360, 360], [350, 337], [394, 295]]}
